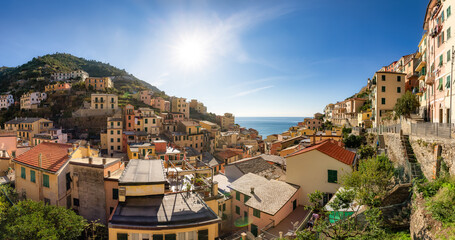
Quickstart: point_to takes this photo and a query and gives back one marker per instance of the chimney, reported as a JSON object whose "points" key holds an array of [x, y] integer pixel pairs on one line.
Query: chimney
{"points": [[108, 173], [88, 149], [40, 161], [104, 161], [90, 160], [214, 188], [252, 190]]}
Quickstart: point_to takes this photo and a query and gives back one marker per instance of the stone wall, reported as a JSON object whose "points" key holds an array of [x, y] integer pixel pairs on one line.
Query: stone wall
{"points": [[424, 150], [422, 225], [395, 149]]}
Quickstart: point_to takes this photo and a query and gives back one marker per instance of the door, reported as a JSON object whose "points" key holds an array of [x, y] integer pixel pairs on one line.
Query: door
{"points": [[294, 204], [440, 115], [448, 115], [254, 230]]}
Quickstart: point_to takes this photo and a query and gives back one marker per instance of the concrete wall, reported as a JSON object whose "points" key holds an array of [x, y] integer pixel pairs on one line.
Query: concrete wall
{"points": [[212, 229], [88, 187]]}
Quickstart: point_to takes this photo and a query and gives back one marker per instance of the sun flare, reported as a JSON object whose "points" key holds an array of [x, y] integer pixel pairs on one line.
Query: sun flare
{"points": [[192, 52]]}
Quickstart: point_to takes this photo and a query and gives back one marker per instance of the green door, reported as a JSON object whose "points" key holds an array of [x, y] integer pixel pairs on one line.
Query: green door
{"points": [[254, 230]]}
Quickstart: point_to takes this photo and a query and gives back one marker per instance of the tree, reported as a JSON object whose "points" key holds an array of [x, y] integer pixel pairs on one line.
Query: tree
{"points": [[406, 105], [372, 181], [366, 151], [35, 220], [353, 141], [337, 224]]}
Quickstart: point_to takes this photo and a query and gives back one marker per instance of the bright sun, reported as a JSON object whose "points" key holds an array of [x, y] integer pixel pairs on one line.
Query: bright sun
{"points": [[192, 52]]}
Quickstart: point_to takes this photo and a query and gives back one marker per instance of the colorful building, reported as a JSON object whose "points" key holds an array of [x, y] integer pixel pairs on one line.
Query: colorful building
{"points": [[32, 100], [6, 101], [319, 167], [99, 83], [103, 101], [57, 87], [181, 106]]}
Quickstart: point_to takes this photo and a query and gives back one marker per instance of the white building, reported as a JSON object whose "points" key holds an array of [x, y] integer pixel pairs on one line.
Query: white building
{"points": [[69, 75], [6, 101], [32, 100]]}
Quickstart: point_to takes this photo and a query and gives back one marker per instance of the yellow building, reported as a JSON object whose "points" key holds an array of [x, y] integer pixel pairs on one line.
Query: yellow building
{"points": [[103, 101], [26, 128], [99, 83], [141, 151], [226, 120], [388, 87], [114, 136], [42, 173], [145, 211], [146, 120], [319, 167], [364, 119], [181, 106]]}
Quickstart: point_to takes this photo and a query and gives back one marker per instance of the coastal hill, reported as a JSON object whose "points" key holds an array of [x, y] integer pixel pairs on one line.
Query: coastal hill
{"points": [[34, 74]]}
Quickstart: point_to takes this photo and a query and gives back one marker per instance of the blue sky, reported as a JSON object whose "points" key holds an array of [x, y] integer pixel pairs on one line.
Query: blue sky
{"points": [[251, 58]]}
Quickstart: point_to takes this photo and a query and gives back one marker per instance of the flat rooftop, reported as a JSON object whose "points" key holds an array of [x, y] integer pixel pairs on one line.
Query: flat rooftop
{"points": [[143, 171], [163, 211], [96, 161]]}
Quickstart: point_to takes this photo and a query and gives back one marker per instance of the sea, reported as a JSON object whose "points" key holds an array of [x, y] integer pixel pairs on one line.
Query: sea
{"points": [[268, 125]]}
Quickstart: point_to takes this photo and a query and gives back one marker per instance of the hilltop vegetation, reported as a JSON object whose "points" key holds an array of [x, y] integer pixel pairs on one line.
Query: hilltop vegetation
{"points": [[36, 71]]}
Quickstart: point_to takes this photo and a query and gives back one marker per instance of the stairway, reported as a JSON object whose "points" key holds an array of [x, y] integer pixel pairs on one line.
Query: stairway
{"points": [[416, 171]]}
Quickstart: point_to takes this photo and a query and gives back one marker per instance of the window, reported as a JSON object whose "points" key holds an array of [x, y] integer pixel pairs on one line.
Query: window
{"points": [[112, 140], [122, 236], [449, 33], [135, 236], [118, 123], [382, 100], [118, 131], [171, 236], [332, 176], [256, 213], [383, 89], [115, 193], [448, 82], [224, 206], [398, 89], [32, 176], [23, 174], [157, 237], [245, 198], [45, 180], [112, 105], [76, 202], [68, 181], [383, 77], [112, 132], [146, 121], [237, 196], [203, 234], [145, 236], [440, 60], [398, 78], [237, 210], [448, 56], [449, 12], [118, 139]]}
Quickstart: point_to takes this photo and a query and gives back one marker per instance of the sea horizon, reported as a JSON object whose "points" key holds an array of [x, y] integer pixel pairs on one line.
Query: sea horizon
{"points": [[268, 125]]}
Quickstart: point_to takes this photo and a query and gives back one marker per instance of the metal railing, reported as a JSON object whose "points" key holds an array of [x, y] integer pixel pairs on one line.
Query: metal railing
{"points": [[385, 129], [442, 130]]}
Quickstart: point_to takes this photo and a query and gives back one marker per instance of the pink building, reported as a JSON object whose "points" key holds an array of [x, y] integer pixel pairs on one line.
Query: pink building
{"points": [[146, 97], [161, 104], [264, 205]]}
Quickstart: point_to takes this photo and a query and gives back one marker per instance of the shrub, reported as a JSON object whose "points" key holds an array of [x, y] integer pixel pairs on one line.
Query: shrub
{"points": [[442, 204]]}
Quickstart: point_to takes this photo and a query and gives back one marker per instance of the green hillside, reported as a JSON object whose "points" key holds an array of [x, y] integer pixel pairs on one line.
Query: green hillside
{"points": [[35, 72]]}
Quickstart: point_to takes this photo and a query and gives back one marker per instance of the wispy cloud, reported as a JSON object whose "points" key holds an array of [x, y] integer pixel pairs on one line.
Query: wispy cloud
{"points": [[248, 92]]}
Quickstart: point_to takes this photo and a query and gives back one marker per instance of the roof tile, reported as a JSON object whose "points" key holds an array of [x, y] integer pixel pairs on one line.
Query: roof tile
{"points": [[54, 156]]}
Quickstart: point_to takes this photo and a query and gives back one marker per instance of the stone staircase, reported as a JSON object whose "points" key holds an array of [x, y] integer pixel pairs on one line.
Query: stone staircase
{"points": [[415, 170]]}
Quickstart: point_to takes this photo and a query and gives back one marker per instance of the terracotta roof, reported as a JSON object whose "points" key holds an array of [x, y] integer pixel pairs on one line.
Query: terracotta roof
{"points": [[227, 154], [54, 156], [331, 149]]}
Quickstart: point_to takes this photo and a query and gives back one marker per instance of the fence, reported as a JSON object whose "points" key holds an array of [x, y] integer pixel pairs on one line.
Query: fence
{"points": [[441, 130], [385, 129]]}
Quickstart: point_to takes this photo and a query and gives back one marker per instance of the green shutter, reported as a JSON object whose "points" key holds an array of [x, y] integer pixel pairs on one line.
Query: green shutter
{"points": [[45, 180], [256, 213], [440, 84], [237, 196], [122, 236], [23, 175], [245, 198], [237, 210], [332, 176], [32, 176]]}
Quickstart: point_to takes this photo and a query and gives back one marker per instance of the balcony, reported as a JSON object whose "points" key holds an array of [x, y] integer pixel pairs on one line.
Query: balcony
{"points": [[420, 65], [430, 80], [422, 74], [412, 74]]}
